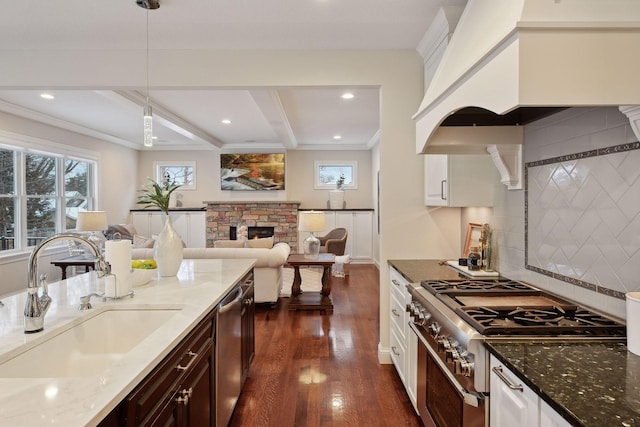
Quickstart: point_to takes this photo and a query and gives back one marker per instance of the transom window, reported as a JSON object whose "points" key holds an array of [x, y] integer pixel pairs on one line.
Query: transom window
{"points": [[40, 195], [328, 173], [178, 172]]}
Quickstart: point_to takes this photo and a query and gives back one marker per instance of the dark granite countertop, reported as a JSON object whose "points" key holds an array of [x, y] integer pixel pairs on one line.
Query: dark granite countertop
{"points": [[185, 209], [417, 270], [336, 210], [590, 383]]}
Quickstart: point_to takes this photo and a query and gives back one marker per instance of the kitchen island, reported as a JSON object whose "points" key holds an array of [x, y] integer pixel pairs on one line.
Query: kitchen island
{"points": [[35, 400]]}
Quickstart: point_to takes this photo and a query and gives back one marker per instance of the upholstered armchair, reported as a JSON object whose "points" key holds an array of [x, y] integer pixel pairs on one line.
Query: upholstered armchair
{"points": [[334, 241]]}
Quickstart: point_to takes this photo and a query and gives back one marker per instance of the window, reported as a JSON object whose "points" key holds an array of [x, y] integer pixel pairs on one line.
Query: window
{"points": [[40, 195], [181, 173], [328, 173], [8, 199]]}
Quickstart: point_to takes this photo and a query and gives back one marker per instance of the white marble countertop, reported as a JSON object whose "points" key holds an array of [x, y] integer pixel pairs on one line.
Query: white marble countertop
{"points": [[78, 401]]}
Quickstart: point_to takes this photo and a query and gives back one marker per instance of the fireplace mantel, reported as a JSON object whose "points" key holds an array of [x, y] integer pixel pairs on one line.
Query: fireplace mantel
{"points": [[281, 215]]}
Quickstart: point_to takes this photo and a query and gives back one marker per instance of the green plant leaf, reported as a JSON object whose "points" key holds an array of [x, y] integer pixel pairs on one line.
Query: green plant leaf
{"points": [[157, 195]]}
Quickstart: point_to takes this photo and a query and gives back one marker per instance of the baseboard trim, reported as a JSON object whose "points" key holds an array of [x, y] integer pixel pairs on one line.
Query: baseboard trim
{"points": [[384, 355]]}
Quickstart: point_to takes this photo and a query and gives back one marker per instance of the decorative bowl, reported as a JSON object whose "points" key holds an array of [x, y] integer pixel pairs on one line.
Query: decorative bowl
{"points": [[142, 276]]}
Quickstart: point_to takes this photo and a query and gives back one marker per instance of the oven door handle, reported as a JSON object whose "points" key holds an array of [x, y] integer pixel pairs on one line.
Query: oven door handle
{"points": [[470, 398]]}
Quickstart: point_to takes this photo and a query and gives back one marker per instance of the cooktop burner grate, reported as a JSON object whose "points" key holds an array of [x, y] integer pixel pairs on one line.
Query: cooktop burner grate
{"points": [[569, 320], [440, 286]]}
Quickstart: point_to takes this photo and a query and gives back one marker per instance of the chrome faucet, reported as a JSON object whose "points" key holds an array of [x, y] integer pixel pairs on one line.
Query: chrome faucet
{"points": [[36, 306]]}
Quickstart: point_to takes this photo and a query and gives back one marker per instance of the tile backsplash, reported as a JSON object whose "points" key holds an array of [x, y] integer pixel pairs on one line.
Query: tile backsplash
{"points": [[582, 218], [575, 130]]}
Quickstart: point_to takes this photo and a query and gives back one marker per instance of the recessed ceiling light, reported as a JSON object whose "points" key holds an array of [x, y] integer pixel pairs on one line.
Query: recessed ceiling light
{"points": [[46, 96], [337, 137], [347, 95], [226, 121]]}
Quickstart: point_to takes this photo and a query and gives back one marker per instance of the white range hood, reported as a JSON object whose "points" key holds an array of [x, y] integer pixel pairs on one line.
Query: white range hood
{"points": [[510, 62]]}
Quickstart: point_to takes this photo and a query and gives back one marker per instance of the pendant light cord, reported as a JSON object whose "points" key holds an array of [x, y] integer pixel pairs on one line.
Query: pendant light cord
{"points": [[147, 64]]}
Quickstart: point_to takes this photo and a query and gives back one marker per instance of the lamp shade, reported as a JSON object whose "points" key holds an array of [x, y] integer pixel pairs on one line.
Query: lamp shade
{"points": [[311, 221], [91, 221]]}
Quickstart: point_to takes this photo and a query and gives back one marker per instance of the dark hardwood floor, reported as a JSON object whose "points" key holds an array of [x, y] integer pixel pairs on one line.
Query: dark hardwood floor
{"points": [[321, 369]]}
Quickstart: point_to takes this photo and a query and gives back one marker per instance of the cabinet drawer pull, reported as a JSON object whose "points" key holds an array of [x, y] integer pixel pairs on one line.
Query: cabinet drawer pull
{"points": [[193, 357], [507, 381], [393, 349], [395, 282], [395, 312], [184, 396]]}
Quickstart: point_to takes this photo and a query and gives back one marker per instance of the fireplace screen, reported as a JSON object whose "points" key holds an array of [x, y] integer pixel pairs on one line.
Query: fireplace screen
{"points": [[253, 232]]}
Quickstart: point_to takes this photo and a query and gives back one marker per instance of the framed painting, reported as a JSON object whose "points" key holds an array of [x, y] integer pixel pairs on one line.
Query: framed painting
{"points": [[252, 172]]}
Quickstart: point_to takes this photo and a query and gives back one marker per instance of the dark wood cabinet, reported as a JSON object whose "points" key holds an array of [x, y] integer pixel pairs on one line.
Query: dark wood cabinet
{"points": [[180, 391]]}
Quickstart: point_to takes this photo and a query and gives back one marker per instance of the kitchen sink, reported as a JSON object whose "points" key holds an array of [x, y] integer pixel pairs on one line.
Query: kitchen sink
{"points": [[88, 348]]}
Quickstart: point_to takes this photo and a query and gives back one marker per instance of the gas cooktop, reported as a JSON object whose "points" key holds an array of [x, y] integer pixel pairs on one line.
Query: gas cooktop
{"points": [[565, 320], [509, 307]]}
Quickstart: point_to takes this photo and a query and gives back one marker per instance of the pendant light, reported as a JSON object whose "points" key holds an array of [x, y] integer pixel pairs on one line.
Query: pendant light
{"points": [[147, 113]]}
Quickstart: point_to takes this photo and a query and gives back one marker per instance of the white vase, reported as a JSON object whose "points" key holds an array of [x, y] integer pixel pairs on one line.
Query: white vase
{"points": [[167, 250], [336, 199]]}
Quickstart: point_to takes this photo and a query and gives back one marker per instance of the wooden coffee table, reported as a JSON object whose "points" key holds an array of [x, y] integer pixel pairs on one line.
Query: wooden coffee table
{"points": [[85, 261], [311, 300]]}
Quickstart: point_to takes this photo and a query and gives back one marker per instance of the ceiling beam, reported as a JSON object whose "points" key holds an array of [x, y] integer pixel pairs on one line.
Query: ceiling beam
{"points": [[268, 101], [165, 117]]}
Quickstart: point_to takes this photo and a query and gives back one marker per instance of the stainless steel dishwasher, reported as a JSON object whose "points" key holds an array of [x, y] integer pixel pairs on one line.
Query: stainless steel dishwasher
{"points": [[229, 352]]}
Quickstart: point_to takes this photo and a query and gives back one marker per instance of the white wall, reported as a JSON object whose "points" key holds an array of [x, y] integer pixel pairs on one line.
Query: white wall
{"points": [[568, 132], [299, 178], [375, 169]]}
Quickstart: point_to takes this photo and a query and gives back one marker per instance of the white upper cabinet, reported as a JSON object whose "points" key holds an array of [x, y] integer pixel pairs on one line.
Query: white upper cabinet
{"points": [[458, 180]]}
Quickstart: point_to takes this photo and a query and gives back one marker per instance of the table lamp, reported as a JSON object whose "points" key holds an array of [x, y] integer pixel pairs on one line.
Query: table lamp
{"points": [[313, 222], [93, 221]]}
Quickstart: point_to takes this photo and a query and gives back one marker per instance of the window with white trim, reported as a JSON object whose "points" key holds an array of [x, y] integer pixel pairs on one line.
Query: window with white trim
{"points": [[180, 172], [41, 194]]}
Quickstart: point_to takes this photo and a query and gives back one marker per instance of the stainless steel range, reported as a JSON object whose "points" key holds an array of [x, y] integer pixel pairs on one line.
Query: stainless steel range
{"points": [[452, 319]]}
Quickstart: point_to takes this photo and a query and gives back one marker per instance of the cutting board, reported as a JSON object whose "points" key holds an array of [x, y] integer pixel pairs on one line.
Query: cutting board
{"points": [[476, 273]]}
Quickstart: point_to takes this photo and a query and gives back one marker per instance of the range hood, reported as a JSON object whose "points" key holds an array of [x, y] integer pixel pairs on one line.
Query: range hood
{"points": [[511, 62]]}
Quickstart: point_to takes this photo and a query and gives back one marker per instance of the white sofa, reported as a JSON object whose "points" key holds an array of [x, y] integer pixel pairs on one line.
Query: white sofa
{"points": [[267, 270]]}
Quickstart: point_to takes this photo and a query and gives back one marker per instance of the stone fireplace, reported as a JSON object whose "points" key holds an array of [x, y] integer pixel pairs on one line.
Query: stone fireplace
{"points": [[282, 216]]}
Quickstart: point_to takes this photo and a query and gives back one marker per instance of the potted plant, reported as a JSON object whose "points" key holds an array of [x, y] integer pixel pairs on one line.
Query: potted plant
{"points": [[157, 195], [167, 249]]}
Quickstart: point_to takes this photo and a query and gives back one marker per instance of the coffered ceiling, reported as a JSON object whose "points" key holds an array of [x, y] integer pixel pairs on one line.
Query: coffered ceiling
{"points": [[269, 118]]}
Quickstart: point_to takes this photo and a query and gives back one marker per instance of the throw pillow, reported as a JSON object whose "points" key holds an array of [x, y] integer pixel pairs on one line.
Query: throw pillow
{"points": [[142, 242], [265, 242], [228, 244], [127, 231]]}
